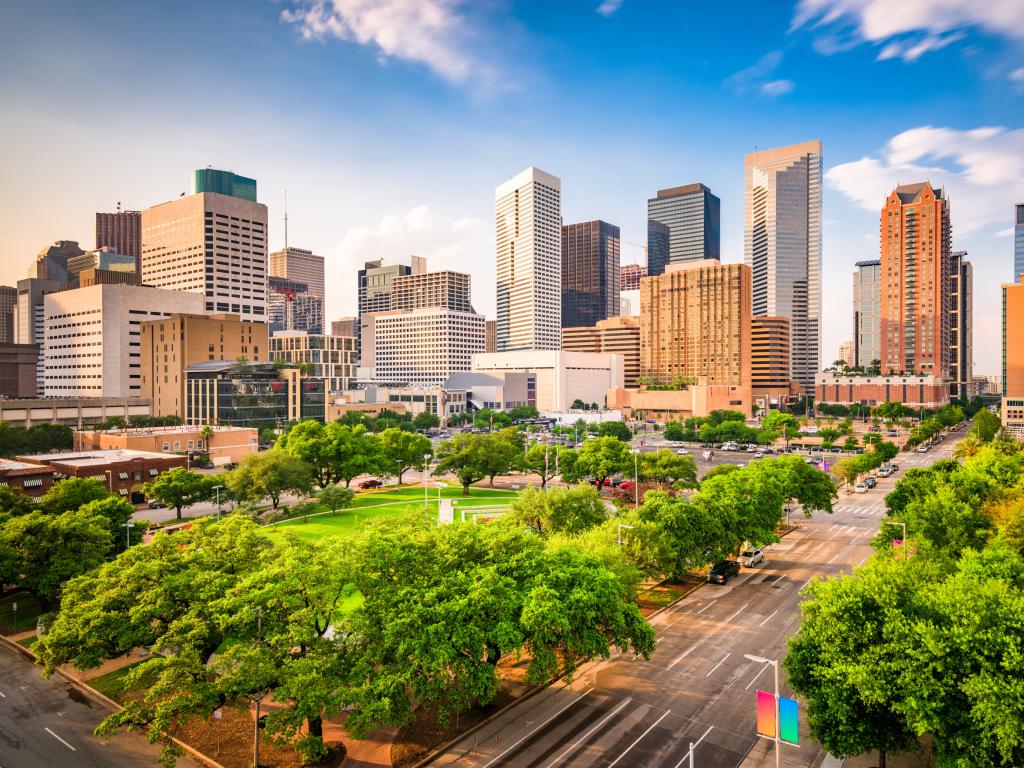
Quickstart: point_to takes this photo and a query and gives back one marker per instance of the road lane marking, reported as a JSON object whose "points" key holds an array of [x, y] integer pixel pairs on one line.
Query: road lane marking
{"points": [[738, 612], [754, 678], [802, 586], [591, 732], [3, 695], [521, 739], [768, 619], [710, 671], [707, 606], [778, 579], [653, 726], [684, 654], [58, 738], [694, 746]]}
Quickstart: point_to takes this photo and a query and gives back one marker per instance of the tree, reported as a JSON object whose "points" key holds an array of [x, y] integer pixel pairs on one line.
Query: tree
{"points": [[401, 451], [986, 425], [14, 503], [464, 456], [664, 466], [486, 418], [505, 452], [783, 424], [523, 412], [847, 470], [546, 461], [178, 488], [812, 488], [675, 432], [600, 458], [39, 551], [425, 420], [118, 513], [560, 510], [70, 494], [616, 429], [691, 534], [269, 475], [334, 451], [578, 405], [334, 497]]}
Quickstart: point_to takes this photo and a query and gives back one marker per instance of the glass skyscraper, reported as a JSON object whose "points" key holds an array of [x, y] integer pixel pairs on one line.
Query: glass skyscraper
{"points": [[1018, 244], [223, 183], [590, 273], [657, 247], [692, 215]]}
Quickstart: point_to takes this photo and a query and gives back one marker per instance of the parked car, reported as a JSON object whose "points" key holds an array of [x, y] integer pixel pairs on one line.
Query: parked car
{"points": [[923, 448], [884, 471], [720, 573], [752, 557], [837, 449], [894, 467], [871, 481], [861, 488], [705, 445], [371, 484], [751, 448], [683, 452], [627, 485], [811, 460], [154, 504], [759, 455], [766, 451]]}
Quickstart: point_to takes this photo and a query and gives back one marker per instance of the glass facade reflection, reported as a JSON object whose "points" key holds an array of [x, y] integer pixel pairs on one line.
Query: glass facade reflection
{"points": [[693, 217], [590, 273], [253, 395]]}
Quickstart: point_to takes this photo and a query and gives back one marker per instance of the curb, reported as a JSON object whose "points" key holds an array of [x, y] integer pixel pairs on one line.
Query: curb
{"points": [[93, 693]]}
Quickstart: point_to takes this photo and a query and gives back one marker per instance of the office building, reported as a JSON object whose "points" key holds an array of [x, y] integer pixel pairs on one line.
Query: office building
{"points": [[223, 445], [867, 314], [91, 276], [345, 326], [72, 411], [8, 310], [913, 391], [490, 336], [1018, 242], [18, 364], [250, 395], [122, 471], [614, 335], [105, 259], [300, 265], [1013, 357], [657, 247], [629, 276], [323, 356], [375, 287], [769, 353], [561, 377], [212, 243], [92, 337], [447, 289], [916, 265], [528, 221], [846, 353], [420, 346], [693, 217], [170, 345], [291, 307], [30, 319], [52, 261], [698, 399], [590, 273], [961, 326], [782, 245], [121, 231], [498, 391], [695, 322]]}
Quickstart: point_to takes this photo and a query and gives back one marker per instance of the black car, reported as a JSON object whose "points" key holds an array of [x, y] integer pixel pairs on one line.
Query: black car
{"points": [[720, 573], [871, 481]]}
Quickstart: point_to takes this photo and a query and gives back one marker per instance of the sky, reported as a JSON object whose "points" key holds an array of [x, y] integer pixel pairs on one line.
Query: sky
{"points": [[390, 122]]}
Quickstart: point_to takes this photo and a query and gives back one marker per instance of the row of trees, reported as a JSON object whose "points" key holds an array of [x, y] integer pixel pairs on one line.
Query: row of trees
{"points": [[928, 643], [847, 470], [230, 615], [39, 438]]}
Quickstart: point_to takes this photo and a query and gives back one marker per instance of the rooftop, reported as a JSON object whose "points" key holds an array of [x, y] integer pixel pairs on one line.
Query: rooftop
{"points": [[95, 458]]}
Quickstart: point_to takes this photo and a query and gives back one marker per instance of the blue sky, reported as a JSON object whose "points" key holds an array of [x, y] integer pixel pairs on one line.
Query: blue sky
{"points": [[390, 122]]}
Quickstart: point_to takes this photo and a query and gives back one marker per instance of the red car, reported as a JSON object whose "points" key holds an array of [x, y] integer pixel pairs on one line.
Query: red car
{"points": [[371, 484], [626, 484]]}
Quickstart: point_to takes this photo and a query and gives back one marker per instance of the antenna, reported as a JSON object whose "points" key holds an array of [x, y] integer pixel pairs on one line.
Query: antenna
{"points": [[286, 219], [118, 206]]}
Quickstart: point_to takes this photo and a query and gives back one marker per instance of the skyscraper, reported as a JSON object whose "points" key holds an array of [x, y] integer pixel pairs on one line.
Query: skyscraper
{"points": [[916, 267], [1013, 357], [782, 245], [528, 218], [1018, 243], [52, 261], [630, 275], [590, 273], [867, 313], [657, 247], [692, 215], [961, 326], [212, 243], [122, 232], [291, 307], [302, 265], [8, 307], [375, 287]]}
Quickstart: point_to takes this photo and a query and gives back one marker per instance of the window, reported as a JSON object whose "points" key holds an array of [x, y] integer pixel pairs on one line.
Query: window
{"points": [[177, 445], [167, 446], [32, 482], [153, 473], [122, 475]]}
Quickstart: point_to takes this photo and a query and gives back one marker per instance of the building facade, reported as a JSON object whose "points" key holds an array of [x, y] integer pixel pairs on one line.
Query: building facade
{"points": [[105, 259], [528, 221], [291, 306], [914, 391], [916, 265], [345, 326], [301, 265], [629, 276], [782, 245], [225, 183], [374, 294], [490, 336], [250, 395], [327, 357], [867, 313], [590, 272], [961, 326], [1013, 355], [657, 247], [693, 217], [846, 353], [18, 366], [170, 345], [695, 321], [561, 377], [8, 311], [93, 337], [30, 319], [614, 335], [769, 353], [72, 411], [224, 445], [447, 289], [121, 231], [52, 261], [1018, 242], [122, 471], [25, 478], [211, 244], [421, 346]]}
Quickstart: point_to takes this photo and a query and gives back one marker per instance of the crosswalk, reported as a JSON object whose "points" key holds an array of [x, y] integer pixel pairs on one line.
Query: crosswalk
{"points": [[874, 509]]}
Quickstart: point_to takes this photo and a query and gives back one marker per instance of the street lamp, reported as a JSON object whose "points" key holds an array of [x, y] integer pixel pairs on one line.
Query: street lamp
{"points": [[423, 478], [127, 534], [636, 476], [621, 526], [775, 666], [216, 490]]}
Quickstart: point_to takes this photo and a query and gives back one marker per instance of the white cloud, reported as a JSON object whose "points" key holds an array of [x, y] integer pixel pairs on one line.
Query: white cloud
{"points": [[909, 28], [464, 244], [1017, 75], [431, 32], [756, 77], [609, 7], [981, 169]]}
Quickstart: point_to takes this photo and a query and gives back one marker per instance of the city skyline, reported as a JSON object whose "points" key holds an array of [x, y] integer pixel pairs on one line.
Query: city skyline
{"points": [[353, 198]]}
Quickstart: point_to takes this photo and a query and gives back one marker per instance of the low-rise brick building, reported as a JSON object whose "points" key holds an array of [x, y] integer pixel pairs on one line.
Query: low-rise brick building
{"points": [[122, 471]]}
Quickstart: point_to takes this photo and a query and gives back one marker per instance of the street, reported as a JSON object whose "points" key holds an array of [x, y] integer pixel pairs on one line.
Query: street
{"points": [[698, 687], [50, 723]]}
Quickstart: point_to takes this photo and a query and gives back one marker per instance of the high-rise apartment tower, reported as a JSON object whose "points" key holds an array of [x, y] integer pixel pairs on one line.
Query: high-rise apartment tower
{"points": [[122, 232], [867, 313]]}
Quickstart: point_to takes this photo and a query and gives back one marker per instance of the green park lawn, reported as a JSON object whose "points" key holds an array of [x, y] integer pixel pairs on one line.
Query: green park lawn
{"points": [[383, 503]]}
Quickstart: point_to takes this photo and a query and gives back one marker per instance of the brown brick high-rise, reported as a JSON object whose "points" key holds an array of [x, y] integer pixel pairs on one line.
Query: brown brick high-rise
{"points": [[121, 231]]}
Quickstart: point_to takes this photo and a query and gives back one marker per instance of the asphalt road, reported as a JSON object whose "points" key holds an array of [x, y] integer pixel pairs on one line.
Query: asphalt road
{"points": [[47, 723], [697, 687]]}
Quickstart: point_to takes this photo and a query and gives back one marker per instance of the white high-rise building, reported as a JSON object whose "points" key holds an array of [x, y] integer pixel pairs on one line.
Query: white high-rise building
{"points": [[211, 243], [782, 245], [301, 265], [421, 346], [528, 224], [93, 347]]}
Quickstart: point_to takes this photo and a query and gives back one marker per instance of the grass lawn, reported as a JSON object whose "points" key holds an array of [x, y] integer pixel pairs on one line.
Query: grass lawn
{"points": [[386, 502], [12, 621], [112, 684]]}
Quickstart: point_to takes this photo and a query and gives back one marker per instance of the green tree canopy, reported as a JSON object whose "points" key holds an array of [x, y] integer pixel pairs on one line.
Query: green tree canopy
{"points": [[70, 494], [599, 458], [665, 466], [616, 429], [401, 451], [559, 510], [334, 497], [269, 475], [179, 488]]}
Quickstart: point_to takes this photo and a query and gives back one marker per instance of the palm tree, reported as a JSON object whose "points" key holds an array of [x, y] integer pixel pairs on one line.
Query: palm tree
{"points": [[967, 447]]}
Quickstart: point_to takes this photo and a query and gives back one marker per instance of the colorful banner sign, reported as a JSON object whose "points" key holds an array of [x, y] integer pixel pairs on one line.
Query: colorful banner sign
{"points": [[788, 720], [766, 714], [787, 709]]}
